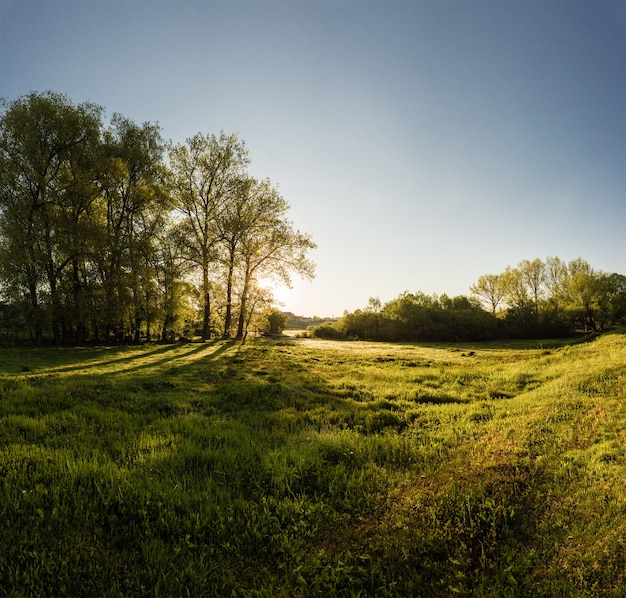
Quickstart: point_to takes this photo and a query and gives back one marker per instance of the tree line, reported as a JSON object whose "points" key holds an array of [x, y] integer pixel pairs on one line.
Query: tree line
{"points": [[110, 233], [535, 299]]}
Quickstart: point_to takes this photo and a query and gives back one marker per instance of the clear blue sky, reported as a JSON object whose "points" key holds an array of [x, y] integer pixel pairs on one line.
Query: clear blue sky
{"points": [[421, 143]]}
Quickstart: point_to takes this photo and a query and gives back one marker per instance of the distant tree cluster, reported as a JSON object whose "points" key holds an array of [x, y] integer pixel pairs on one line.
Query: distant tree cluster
{"points": [[414, 317], [536, 299], [296, 322], [109, 233], [545, 298]]}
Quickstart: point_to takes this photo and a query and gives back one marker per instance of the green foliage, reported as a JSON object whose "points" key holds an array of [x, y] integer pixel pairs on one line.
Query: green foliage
{"points": [[101, 240], [553, 298], [419, 317], [295, 322], [308, 467], [330, 330], [542, 300], [274, 321]]}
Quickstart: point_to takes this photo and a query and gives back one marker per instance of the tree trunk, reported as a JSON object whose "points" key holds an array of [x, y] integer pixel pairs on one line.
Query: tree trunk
{"points": [[56, 314], [242, 308], [36, 313], [206, 326], [229, 301], [79, 311], [206, 322]]}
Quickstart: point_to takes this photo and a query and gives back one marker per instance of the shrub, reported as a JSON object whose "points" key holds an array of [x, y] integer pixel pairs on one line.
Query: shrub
{"points": [[326, 331]]}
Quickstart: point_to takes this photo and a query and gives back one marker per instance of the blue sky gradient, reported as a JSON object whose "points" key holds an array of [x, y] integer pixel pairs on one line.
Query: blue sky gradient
{"points": [[421, 143]]}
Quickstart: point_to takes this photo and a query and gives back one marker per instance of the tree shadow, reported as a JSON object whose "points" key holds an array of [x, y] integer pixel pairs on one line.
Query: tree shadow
{"points": [[97, 362], [174, 361], [168, 354]]}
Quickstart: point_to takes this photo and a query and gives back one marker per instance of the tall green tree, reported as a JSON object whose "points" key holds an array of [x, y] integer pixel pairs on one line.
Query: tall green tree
{"points": [[270, 246], [44, 139], [490, 288], [533, 275], [614, 287], [132, 179], [516, 291], [583, 289], [233, 223], [205, 173], [77, 231], [175, 291], [555, 278]]}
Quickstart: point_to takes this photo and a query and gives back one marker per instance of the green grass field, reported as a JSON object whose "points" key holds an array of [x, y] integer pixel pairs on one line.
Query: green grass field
{"points": [[296, 467]]}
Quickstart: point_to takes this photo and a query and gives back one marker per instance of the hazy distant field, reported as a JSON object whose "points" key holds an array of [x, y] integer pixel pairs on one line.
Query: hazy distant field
{"points": [[311, 468]]}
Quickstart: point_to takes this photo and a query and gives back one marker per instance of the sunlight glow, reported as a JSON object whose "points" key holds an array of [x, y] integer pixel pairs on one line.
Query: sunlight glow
{"points": [[279, 291]]}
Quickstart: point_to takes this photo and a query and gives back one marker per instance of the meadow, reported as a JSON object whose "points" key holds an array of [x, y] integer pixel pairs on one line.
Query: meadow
{"points": [[299, 467]]}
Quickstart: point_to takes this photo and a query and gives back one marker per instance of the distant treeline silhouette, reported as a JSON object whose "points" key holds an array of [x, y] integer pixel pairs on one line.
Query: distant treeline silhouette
{"points": [[536, 299]]}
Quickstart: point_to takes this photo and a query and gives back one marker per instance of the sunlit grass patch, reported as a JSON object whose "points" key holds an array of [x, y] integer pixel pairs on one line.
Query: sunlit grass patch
{"points": [[314, 468]]}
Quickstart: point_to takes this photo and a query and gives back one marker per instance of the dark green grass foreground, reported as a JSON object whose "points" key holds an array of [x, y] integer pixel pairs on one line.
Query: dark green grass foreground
{"points": [[309, 468]]}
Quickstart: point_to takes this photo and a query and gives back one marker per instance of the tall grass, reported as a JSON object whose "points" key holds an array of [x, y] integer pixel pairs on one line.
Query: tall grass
{"points": [[313, 468]]}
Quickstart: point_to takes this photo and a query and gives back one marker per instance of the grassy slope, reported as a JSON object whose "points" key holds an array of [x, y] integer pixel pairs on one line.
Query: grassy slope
{"points": [[305, 467]]}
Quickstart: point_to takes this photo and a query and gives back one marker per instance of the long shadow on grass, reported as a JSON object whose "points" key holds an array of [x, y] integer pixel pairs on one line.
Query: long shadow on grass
{"points": [[191, 355], [104, 363], [169, 354]]}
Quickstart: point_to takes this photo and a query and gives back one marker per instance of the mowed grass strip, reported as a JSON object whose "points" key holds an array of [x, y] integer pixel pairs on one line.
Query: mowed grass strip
{"points": [[296, 467]]}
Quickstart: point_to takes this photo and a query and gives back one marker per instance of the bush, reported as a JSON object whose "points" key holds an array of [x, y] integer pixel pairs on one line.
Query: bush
{"points": [[326, 331], [274, 322]]}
